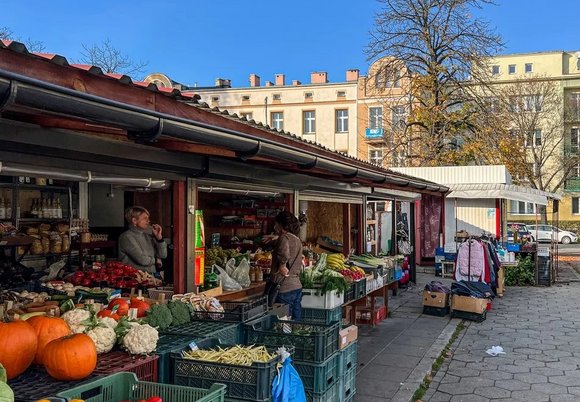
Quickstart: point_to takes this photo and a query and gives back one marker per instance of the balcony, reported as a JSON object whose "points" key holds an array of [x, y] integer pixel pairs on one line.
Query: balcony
{"points": [[374, 134], [573, 184]]}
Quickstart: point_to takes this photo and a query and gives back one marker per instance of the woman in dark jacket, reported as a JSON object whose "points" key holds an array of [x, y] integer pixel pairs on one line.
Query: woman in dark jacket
{"points": [[287, 263]]}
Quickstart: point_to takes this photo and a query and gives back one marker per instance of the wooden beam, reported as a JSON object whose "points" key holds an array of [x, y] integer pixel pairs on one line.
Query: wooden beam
{"points": [[346, 223], [179, 236]]}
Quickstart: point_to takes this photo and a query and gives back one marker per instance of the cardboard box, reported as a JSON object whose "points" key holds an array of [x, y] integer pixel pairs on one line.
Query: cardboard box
{"points": [[347, 336], [213, 292], [435, 299], [469, 304]]}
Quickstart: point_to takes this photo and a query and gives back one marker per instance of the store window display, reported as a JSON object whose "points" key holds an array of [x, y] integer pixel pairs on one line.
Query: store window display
{"points": [[142, 245]]}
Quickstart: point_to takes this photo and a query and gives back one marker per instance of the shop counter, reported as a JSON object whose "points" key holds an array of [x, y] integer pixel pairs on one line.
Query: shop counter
{"points": [[255, 289]]}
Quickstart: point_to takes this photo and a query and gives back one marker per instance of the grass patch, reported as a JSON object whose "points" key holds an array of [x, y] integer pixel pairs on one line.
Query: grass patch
{"points": [[424, 386]]}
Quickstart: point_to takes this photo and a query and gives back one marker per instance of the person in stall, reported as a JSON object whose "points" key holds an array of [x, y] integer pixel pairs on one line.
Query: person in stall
{"points": [[287, 262], [142, 245]]}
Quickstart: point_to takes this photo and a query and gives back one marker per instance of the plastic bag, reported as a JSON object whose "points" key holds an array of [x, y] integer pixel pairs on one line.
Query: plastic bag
{"points": [[287, 385], [231, 266], [242, 274], [227, 282]]}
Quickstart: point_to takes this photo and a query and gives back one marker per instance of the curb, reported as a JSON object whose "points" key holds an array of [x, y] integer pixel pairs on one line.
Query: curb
{"points": [[415, 379]]}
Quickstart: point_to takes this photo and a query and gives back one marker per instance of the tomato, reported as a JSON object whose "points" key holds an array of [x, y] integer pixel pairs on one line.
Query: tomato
{"points": [[141, 306], [86, 282], [155, 399], [108, 313], [122, 306]]}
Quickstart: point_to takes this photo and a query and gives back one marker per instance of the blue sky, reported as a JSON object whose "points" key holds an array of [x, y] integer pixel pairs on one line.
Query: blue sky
{"points": [[197, 41]]}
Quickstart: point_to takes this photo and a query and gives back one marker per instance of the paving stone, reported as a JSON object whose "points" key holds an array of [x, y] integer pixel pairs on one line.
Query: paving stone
{"points": [[531, 378], [492, 392], [512, 385], [549, 388], [449, 379], [509, 368], [469, 398], [496, 375], [457, 388], [574, 390], [547, 371], [439, 397], [563, 398], [567, 381], [463, 372], [529, 363]]}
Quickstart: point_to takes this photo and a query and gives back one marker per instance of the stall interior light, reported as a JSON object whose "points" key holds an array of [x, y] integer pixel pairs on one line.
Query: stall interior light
{"points": [[82, 176], [212, 189]]}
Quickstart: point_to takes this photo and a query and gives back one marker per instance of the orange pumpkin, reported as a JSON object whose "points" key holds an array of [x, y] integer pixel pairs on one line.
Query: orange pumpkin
{"points": [[70, 358], [18, 345], [48, 329]]}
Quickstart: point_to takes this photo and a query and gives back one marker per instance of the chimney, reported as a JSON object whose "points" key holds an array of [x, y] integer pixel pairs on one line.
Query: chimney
{"points": [[319, 77], [280, 79], [223, 83], [296, 83], [269, 83], [352, 75], [254, 80]]}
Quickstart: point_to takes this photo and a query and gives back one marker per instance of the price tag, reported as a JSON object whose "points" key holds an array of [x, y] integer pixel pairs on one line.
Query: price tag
{"points": [[193, 346]]}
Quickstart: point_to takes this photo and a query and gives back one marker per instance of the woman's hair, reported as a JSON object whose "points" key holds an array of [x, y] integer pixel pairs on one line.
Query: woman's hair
{"points": [[134, 212], [288, 222]]}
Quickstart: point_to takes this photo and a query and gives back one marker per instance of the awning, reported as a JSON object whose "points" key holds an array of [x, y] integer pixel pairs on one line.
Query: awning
{"points": [[392, 194], [506, 191]]}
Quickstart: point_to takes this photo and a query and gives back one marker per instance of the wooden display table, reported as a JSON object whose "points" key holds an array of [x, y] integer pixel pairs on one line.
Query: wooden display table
{"points": [[501, 276], [382, 292], [255, 289]]}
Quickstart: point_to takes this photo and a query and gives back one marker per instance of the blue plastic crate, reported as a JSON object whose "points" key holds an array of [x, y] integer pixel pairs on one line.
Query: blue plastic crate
{"points": [[515, 247], [322, 316], [319, 377], [348, 358], [348, 385]]}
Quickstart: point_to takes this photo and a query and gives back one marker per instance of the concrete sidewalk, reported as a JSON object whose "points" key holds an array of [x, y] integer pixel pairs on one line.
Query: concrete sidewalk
{"points": [[395, 356]]}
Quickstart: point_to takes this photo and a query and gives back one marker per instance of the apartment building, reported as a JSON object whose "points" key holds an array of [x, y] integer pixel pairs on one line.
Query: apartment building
{"points": [[563, 70], [356, 116]]}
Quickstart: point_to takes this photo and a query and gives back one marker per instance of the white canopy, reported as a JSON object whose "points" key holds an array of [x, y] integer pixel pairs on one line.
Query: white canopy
{"points": [[507, 191]]}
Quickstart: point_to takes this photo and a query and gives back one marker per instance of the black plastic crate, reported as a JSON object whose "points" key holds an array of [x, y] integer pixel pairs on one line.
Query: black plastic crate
{"points": [[253, 383], [360, 288], [35, 384], [312, 342], [242, 311], [349, 294], [319, 377], [436, 311], [469, 316], [226, 332], [322, 316], [167, 345]]}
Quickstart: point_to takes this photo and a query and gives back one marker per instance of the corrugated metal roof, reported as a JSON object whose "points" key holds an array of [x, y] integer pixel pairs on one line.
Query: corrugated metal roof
{"points": [[506, 191], [489, 174], [193, 101]]}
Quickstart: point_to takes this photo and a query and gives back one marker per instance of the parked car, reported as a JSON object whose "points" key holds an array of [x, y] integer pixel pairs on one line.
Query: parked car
{"points": [[549, 232], [523, 234]]}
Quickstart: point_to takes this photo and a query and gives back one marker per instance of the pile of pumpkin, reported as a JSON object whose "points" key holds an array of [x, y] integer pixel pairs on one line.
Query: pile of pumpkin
{"points": [[68, 346]]}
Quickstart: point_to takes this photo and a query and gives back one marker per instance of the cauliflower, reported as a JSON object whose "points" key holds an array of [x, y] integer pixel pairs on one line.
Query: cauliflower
{"points": [[104, 338], [77, 319], [141, 339], [108, 322]]}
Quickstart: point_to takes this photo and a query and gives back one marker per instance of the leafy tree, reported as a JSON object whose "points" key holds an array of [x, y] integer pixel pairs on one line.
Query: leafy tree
{"points": [[111, 59], [444, 50]]}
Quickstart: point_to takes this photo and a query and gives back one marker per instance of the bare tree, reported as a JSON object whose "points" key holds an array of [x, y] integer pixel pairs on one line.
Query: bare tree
{"points": [[111, 59], [444, 50], [31, 44]]}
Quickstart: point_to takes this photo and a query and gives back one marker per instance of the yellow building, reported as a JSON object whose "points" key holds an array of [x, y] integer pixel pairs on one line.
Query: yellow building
{"points": [[563, 70]]}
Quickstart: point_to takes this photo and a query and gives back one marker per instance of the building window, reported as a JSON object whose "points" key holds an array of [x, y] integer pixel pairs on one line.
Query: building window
{"points": [[376, 156], [573, 107], [491, 104], [247, 115], [376, 117], [574, 139], [276, 97], [522, 208], [388, 78], [308, 95], [529, 68], [533, 139], [309, 121], [533, 103], [512, 69], [575, 173], [245, 98], [575, 205], [341, 94], [342, 121], [399, 118], [495, 70], [278, 120], [215, 98]]}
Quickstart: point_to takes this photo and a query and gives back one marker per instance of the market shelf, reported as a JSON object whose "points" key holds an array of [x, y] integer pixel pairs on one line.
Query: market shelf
{"points": [[63, 219]]}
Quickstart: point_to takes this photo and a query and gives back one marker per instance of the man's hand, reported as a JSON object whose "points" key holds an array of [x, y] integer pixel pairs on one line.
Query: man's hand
{"points": [[157, 231]]}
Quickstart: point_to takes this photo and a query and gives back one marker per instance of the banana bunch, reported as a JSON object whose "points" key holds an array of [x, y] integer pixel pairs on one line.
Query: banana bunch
{"points": [[336, 262]]}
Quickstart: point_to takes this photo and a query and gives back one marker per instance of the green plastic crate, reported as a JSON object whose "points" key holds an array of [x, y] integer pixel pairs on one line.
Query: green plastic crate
{"points": [[348, 385], [167, 345], [322, 316], [125, 386], [312, 342], [319, 377], [226, 332], [333, 394], [348, 358]]}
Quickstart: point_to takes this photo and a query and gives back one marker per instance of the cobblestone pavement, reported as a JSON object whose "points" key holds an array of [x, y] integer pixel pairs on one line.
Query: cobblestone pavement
{"points": [[539, 329]]}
